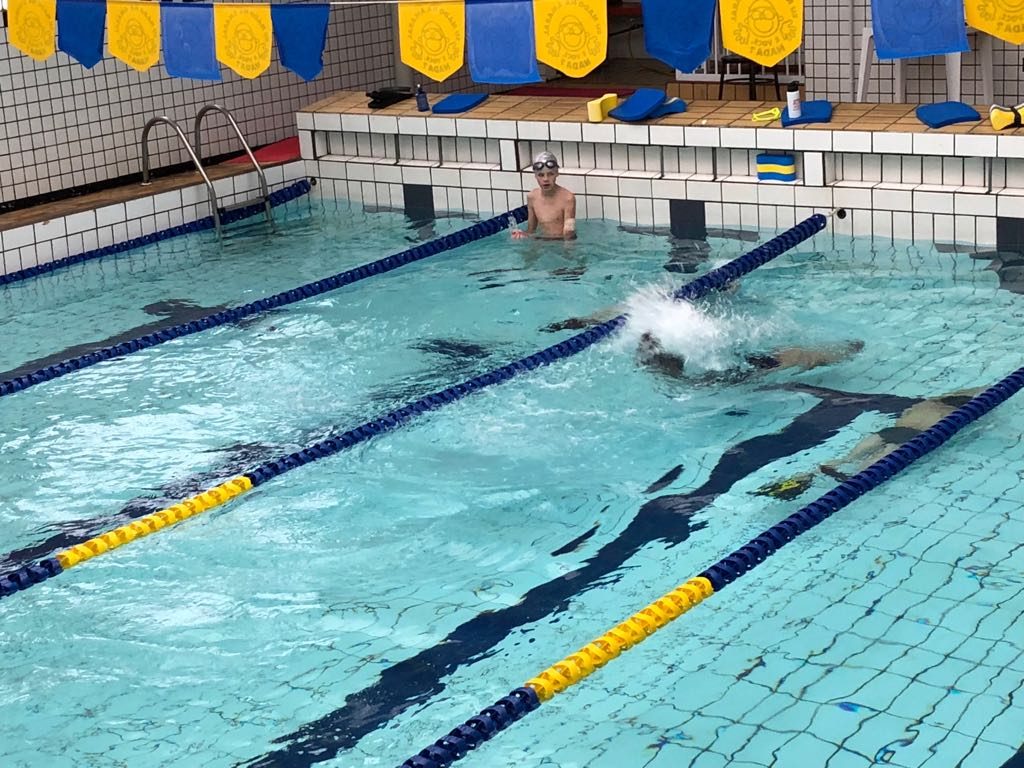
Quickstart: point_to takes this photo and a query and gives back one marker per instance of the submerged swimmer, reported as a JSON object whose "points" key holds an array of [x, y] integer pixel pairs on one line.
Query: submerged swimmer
{"points": [[552, 208], [911, 422], [651, 354]]}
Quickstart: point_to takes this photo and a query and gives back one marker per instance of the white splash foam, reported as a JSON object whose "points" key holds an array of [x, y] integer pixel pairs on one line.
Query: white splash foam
{"points": [[712, 336]]}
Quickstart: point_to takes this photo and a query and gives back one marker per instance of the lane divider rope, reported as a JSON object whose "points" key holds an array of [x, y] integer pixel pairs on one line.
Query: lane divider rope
{"points": [[35, 573], [641, 625], [233, 314], [280, 197]]}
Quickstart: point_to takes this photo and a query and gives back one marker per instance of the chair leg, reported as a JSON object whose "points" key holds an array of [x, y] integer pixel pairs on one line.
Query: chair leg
{"points": [[721, 84], [900, 82], [953, 90], [867, 52], [752, 85], [778, 93], [985, 56]]}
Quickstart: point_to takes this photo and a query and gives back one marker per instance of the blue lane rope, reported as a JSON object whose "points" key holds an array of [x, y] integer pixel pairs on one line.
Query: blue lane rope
{"points": [[277, 198], [388, 263], [520, 702], [26, 576]]}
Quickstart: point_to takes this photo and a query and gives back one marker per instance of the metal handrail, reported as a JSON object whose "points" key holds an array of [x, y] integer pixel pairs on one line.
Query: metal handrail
{"points": [[248, 150], [215, 209]]}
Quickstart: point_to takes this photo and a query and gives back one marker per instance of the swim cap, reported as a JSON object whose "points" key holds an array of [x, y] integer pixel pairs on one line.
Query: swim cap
{"points": [[545, 160]]}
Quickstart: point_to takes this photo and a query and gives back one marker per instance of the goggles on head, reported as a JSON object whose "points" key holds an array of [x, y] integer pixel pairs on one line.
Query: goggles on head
{"points": [[541, 165]]}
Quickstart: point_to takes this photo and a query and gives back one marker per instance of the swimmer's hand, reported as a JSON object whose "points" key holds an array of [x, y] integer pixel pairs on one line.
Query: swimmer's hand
{"points": [[572, 324], [518, 234]]}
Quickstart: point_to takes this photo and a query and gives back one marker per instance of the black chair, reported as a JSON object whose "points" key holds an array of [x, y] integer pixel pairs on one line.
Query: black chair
{"points": [[752, 78]]}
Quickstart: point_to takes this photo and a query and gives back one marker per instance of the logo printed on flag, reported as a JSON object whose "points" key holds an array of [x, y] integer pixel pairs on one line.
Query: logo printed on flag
{"points": [[133, 33], [572, 35], [434, 37], [243, 37], [765, 31], [32, 27], [1000, 18]]}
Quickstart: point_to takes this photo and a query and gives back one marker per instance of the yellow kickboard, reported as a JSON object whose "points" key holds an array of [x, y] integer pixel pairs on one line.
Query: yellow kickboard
{"points": [[598, 109]]}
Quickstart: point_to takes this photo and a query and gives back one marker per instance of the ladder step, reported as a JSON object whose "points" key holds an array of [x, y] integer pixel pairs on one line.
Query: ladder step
{"points": [[244, 204]]}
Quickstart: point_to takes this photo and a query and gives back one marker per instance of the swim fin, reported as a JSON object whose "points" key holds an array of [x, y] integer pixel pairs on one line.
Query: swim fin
{"points": [[786, 490], [1005, 117]]}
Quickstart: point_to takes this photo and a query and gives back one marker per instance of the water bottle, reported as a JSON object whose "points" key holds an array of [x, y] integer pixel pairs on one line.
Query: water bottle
{"points": [[793, 100], [421, 99]]}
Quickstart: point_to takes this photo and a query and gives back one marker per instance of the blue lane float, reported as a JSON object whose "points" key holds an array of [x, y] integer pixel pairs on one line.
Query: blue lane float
{"points": [[388, 263], [280, 197]]}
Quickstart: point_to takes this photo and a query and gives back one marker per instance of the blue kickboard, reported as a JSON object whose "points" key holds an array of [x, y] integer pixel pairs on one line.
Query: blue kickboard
{"points": [[810, 112], [458, 102], [640, 105], [946, 113], [670, 107]]}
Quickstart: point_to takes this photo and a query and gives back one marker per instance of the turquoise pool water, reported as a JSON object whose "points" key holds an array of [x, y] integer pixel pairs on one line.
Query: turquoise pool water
{"points": [[352, 611]]}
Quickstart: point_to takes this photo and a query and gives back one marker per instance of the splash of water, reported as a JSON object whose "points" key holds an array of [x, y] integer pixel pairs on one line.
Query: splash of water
{"points": [[712, 336]]}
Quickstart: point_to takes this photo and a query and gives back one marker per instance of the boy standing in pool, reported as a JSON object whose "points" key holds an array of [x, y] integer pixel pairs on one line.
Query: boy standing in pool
{"points": [[552, 208]]}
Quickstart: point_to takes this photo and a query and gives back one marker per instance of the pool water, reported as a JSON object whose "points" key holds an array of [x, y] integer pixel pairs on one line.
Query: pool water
{"points": [[352, 611]]}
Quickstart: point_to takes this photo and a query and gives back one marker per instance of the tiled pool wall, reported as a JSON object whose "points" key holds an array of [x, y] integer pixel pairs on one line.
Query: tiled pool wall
{"points": [[66, 126], [925, 187], [46, 241]]}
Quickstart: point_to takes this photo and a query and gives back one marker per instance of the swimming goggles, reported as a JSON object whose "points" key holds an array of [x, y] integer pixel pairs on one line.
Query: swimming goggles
{"points": [[538, 167]]}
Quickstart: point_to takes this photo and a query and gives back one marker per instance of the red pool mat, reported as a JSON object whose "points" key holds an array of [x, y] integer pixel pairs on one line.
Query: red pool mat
{"points": [[278, 152]]}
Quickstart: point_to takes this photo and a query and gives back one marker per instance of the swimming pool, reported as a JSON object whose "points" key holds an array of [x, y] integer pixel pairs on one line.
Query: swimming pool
{"points": [[351, 611]]}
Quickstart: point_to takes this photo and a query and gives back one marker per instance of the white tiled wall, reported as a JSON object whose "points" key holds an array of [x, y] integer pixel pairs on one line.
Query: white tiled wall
{"points": [[64, 125], [35, 244], [941, 193]]}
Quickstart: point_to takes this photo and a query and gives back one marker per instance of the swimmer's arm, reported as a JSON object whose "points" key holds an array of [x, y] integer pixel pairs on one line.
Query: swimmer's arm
{"points": [[569, 227], [531, 221]]}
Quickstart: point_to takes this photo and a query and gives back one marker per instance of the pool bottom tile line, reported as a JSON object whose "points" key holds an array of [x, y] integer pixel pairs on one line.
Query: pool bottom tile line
{"points": [[576, 666]]}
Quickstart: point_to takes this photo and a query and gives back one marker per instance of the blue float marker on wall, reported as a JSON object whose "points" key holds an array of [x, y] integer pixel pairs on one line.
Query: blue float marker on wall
{"points": [[776, 167]]}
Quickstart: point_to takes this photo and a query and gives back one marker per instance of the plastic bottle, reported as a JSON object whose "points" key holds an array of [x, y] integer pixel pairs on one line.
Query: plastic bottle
{"points": [[793, 100], [421, 99]]}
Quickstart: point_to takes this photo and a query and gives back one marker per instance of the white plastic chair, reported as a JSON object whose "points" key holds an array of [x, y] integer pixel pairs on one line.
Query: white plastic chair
{"points": [[953, 85]]}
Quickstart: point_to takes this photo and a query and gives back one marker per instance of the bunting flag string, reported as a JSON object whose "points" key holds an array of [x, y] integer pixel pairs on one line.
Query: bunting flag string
{"points": [[682, 46], [301, 33], [189, 41], [765, 31], [32, 24], [906, 29], [133, 33], [1000, 18], [500, 43], [244, 37], [80, 30], [432, 37], [572, 35]]}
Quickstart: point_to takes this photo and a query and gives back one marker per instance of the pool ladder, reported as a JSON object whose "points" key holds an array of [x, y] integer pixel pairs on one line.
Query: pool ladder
{"points": [[196, 155]]}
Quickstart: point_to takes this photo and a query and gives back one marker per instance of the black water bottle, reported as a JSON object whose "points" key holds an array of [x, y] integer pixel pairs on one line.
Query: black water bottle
{"points": [[421, 99]]}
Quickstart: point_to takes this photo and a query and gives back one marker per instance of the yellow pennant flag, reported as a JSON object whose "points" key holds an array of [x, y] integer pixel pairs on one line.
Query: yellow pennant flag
{"points": [[244, 36], [572, 35], [432, 37], [33, 27], [133, 32], [1000, 18], [765, 31]]}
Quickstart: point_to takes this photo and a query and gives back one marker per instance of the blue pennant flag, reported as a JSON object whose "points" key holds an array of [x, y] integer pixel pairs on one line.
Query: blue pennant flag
{"points": [[188, 41], [912, 28], [301, 34], [683, 43], [500, 44], [80, 26]]}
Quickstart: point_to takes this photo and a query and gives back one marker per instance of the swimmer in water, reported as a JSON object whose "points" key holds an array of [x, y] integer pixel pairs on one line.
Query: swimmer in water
{"points": [[651, 354], [912, 422], [552, 208]]}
